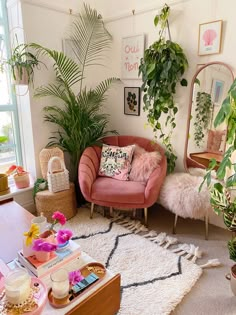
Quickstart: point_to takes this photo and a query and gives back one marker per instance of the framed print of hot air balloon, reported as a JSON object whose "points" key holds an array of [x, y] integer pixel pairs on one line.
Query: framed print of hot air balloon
{"points": [[209, 40]]}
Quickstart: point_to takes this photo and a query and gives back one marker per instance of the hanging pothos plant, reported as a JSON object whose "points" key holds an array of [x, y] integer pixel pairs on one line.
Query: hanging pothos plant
{"points": [[162, 67], [203, 109]]}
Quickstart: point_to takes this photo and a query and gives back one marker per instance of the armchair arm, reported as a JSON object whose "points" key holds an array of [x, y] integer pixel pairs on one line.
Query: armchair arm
{"points": [[88, 170], [155, 182]]}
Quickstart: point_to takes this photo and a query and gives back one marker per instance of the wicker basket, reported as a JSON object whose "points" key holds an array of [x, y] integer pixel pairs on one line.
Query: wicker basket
{"points": [[63, 201], [57, 180], [44, 157]]}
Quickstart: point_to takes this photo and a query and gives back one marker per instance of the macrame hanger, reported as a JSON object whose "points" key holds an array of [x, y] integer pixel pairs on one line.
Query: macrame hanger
{"points": [[168, 29]]}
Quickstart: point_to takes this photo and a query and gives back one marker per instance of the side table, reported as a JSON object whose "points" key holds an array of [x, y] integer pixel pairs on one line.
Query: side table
{"points": [[102, 299]]}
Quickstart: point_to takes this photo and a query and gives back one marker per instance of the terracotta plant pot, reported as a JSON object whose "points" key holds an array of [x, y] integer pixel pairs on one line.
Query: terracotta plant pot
{"points": [[4, 189], [232, 277], [22, 180]]}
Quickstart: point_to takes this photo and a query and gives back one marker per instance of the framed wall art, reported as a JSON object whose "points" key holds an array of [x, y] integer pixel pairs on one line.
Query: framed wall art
{"points": [[132, 101], [131, 52], [209, 38]]}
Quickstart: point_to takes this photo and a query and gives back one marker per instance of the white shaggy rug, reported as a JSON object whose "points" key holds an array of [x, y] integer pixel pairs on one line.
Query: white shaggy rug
{"points": [[153, 279]]}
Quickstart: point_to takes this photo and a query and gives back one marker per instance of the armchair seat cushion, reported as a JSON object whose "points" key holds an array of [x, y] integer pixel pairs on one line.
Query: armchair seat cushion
{"points": [[116, 191]]}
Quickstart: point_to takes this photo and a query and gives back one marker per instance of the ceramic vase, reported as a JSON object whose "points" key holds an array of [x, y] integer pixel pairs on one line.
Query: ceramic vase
{"points": [[27, 250]]}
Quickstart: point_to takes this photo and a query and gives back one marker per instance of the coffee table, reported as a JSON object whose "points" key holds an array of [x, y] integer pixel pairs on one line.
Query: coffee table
{"points": [[102, 299]]}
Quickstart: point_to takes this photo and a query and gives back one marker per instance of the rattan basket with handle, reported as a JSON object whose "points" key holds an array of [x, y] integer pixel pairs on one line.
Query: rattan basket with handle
{"points": [[44, 157], [57, 180]]}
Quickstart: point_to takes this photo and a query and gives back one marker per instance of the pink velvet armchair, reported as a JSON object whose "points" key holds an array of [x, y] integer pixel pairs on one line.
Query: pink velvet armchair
{"points": [[105, 191]]}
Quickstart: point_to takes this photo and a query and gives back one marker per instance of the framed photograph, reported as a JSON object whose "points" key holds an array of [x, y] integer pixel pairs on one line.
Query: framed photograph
{"points": [[217, 91], [132, 101], [209, 39], [131, 53]]}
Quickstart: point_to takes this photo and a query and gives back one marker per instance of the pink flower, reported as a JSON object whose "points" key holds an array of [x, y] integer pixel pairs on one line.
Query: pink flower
{"points": [[40, 245], [59, 217], [75, 277], [64, 236]]}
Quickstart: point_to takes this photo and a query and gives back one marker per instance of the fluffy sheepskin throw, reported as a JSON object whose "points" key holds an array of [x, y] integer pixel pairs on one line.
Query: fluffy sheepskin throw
{"points": [[143, 164], [180, 195]]}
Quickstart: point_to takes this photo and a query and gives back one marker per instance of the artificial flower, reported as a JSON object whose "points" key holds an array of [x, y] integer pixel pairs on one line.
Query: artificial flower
{"points": [[32, 234], [58, 217], [41, 245], [75, 277], [64, 236], [14, 168]]}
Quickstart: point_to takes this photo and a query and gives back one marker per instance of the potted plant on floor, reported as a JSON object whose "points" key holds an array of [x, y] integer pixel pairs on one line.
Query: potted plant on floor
{"points": [[162, 67], [223, 196]]}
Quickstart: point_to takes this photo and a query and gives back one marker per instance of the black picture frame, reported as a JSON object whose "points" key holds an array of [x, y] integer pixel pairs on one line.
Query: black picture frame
{"points": [[132, 101]]}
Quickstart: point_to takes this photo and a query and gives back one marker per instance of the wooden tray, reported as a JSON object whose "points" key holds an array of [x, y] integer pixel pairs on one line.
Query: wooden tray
{"points": [[94, 267]]}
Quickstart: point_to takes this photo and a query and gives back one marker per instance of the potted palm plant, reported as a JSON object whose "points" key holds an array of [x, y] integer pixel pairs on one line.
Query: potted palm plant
{"points": [[81, 122]]}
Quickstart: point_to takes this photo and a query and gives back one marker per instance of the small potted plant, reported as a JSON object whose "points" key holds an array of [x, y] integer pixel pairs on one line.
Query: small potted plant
{"points": [[22, 63], [21, 177]]}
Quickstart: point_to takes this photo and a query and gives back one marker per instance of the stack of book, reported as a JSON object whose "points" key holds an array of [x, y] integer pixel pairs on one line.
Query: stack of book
{"points": [[58, 258]]}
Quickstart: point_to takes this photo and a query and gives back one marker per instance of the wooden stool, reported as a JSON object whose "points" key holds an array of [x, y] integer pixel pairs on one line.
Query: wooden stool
{"points": [[63, 201]]}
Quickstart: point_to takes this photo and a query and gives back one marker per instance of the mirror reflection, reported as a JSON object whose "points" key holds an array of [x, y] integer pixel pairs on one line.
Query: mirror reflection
{"points": [[209, 88]]}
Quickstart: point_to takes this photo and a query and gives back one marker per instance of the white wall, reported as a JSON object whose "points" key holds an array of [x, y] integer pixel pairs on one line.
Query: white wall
{"points": [[47, 26]]}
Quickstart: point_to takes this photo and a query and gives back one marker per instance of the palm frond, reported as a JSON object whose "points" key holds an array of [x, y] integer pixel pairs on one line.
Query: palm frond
{"points": [[65, 68], [89, 38]]}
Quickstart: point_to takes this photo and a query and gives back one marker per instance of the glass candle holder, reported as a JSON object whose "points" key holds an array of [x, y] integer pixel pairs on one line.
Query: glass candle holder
{"points": [[60, 283], [17, 286]]}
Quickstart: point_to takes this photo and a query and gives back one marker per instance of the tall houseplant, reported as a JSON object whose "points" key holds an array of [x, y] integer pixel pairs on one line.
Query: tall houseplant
{"points": [[223, 199], [79, 120], [162, 67]]}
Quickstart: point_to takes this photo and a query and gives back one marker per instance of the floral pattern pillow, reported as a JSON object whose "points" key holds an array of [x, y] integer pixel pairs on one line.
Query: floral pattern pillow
{"points": [[116, 161]]}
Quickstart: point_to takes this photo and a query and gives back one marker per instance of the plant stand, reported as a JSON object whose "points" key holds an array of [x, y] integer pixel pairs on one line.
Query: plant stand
{"points": [[63, 201]]}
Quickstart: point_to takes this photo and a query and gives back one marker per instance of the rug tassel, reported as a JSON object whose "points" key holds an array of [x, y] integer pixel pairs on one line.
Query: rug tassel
{"points": [[170, 241], [197, 254], [211, 263], [117, 217], [150, 234], [190, 251], [141, 228], [159, 239]]}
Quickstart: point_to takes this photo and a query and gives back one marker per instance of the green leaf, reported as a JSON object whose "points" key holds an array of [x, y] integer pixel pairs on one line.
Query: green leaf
{"points": [[184, 82]]}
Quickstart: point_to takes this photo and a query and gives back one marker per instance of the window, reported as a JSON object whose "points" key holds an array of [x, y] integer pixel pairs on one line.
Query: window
{"points": [[10, 151]]}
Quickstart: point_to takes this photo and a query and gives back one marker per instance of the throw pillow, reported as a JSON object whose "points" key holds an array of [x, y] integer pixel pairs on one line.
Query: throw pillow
{"points": [[116, 161], [143, 164]]}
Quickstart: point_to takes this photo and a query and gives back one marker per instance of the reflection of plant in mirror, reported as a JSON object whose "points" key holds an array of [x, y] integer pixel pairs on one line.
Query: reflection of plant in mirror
{"points": [[222, 199], [162, 67], [203, 109]]}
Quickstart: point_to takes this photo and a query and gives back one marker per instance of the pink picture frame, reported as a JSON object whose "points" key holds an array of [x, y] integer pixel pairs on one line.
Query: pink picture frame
{"points": [[209, 38]]}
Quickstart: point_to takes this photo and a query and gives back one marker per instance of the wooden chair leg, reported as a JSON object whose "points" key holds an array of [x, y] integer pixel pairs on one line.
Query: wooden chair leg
{"points": [[175, 224], [134, 213], [91, 210], [145, 216], [206, 226], [111, 212]]}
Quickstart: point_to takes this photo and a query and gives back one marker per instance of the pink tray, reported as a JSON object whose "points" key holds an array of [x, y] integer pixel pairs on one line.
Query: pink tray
{"points": [[40, 297]]}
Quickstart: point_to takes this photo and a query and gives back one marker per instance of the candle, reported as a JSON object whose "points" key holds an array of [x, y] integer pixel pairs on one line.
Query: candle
{"points": [[17, 286], [60, 283]]}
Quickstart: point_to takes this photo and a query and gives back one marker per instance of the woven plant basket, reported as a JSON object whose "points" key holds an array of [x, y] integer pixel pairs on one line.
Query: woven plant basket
{"points": [[63, 201], [45, 155]]}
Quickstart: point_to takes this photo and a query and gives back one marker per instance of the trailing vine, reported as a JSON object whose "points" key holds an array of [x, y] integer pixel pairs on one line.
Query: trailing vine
{"points": [[162, 67], [203, 109]]}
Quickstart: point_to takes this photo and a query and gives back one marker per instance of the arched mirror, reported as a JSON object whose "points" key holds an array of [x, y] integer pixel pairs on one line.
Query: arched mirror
{"points": [[209, 88]]}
